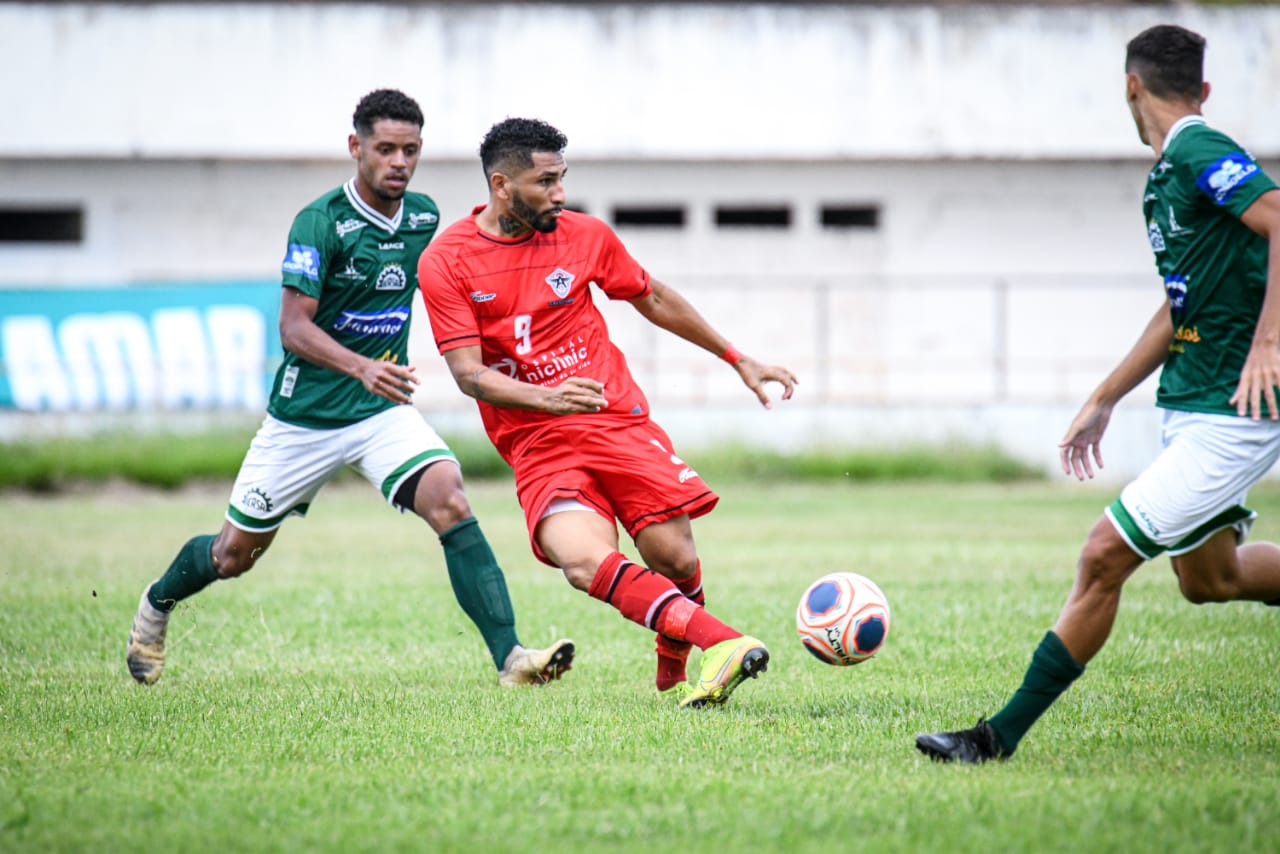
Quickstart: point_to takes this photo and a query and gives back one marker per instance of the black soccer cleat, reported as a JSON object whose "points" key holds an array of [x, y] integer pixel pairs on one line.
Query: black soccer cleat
{"points": [[972, 746]]}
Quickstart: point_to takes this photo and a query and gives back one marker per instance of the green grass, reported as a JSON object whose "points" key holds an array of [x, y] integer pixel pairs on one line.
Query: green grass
{"points": [[336, 699], [172, 460]]}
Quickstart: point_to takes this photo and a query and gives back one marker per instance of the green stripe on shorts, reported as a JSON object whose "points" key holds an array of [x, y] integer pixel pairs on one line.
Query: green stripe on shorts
{"points": [[434, 455], [1137, 538], [253, 523], [1226, 519]]}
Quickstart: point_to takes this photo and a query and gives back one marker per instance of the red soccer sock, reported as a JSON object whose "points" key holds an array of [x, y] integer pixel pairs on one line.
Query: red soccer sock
{"points": [[645, 597], [672, 658], [673, 654], [691, 587]]}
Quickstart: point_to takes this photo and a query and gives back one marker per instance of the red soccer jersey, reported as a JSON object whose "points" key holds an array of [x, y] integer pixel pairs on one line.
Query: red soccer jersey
{"points": [[527, 304]]}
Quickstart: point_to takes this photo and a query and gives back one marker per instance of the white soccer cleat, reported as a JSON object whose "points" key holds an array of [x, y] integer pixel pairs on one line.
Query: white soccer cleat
{"points": [[536, 666], [145, 654]]}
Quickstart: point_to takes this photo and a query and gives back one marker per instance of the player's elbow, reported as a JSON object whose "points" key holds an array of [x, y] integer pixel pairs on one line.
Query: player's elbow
{"points": [[288, 337], [468, 388], [293, 330], [467, 379]]}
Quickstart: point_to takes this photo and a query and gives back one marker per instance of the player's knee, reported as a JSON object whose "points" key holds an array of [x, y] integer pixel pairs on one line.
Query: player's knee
{"points": [[579, 576], [674, 557], [1100, 568], [233, 562], [435, 493], [446, 510], [680, 566], [1201, 590]]}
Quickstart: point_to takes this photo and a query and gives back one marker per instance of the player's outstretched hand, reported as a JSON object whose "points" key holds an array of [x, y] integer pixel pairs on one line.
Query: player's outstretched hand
{"points": [[389, 380], [755, 375], [1084, 437], [1258, 381], [574, 395]]}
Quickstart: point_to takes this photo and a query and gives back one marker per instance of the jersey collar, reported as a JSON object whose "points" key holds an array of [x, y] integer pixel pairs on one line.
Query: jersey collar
{"points": [[392, 224], [1180, 125]]}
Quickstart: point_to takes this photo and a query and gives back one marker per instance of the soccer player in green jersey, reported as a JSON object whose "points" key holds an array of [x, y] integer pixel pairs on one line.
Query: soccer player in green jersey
{"points": [[342, 397], [1213, 220]]}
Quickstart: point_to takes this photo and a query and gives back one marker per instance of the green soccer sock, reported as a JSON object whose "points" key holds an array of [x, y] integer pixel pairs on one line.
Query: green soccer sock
{"points": [[1051, 672], [191, 571], [480, 587]]}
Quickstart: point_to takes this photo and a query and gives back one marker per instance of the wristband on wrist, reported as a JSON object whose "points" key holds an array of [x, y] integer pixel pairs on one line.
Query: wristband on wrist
{"points": [[732, 355]]}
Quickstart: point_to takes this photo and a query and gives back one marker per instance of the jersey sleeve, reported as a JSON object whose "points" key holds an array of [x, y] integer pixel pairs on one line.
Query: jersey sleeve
{"points": [[309, 252], [621, 276], [453, 321], [1226, 174]]}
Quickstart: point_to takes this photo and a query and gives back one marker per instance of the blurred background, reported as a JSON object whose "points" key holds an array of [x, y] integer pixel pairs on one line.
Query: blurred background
{"points": [[930, 212]]}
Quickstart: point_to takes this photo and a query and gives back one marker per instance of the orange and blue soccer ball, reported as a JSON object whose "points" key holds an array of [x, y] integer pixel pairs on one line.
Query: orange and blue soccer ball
{"points": [[843, 618]]}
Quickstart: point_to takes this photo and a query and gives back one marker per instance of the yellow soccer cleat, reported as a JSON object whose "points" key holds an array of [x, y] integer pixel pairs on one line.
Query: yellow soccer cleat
{"points": [[724, 666], [675, 694]]}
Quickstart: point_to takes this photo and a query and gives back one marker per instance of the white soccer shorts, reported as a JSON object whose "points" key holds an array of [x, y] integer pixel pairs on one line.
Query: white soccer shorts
{"points": [[286, 465], [1198, 484]]}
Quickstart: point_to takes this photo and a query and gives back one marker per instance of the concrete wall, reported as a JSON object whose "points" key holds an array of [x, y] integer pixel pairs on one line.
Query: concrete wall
{"points": [[1007, 270], [664, 80]]}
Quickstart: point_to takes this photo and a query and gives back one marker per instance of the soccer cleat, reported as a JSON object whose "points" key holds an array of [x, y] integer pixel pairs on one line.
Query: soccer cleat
{"points": [[724, 666], [973, 746], [675, 694], [536, 666], [145, 653]]}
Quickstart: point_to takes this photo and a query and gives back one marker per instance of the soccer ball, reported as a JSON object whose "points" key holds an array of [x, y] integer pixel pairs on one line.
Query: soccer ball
{"points": [[843, 618]]}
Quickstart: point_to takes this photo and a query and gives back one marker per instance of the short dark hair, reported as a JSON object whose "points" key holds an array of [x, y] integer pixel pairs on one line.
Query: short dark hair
{"points": [[512, 142], [1169, 60], [385, 104]]}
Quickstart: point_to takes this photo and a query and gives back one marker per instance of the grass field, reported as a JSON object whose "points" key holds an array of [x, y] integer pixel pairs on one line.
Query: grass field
{"points": [[336, 699]]}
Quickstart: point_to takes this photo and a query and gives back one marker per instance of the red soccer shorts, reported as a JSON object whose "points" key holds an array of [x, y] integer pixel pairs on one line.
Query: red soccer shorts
{"points": [[623, 471]]}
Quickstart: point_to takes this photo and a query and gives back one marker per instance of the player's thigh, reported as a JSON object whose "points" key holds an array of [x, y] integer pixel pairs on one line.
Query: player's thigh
{"points": [[390, 447], [281, 474], [1214, 558], [577, 541]]}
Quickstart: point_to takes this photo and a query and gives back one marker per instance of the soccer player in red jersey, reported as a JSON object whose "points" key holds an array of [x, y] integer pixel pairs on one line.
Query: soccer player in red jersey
{"points": [[508, 295]]}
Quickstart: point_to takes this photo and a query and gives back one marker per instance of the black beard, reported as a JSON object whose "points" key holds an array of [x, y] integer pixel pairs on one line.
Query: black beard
{"points": [[538, 222]]}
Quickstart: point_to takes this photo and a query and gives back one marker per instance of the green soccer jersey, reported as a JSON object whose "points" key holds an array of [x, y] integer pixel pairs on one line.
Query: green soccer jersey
{"points": [[1214, 267], [363, 269]]}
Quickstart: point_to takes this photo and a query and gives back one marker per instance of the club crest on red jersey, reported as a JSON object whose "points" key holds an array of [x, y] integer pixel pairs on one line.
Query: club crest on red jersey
{"points": [[560, 281]]}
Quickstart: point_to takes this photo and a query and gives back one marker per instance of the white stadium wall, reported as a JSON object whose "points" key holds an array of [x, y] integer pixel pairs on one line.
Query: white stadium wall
{"points": [[652, 80], [942, 230]]}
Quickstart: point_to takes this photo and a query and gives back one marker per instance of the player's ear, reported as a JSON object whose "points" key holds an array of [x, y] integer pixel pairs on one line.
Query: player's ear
{"points": [[1204, 91], [499, 185], [353, 146], [1132, 86]]}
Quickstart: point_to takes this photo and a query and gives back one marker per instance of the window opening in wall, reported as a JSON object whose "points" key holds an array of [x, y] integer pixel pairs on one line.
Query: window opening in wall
{"points": [[41, 225], [850, 216], [753, 216], [649, 216]]}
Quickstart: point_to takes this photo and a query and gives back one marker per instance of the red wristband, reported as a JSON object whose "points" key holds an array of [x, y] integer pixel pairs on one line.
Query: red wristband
{"points": [[732, 355]]}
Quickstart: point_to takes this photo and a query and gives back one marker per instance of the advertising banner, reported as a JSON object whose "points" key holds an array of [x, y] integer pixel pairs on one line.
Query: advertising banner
{"points": [[173, 346]]}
